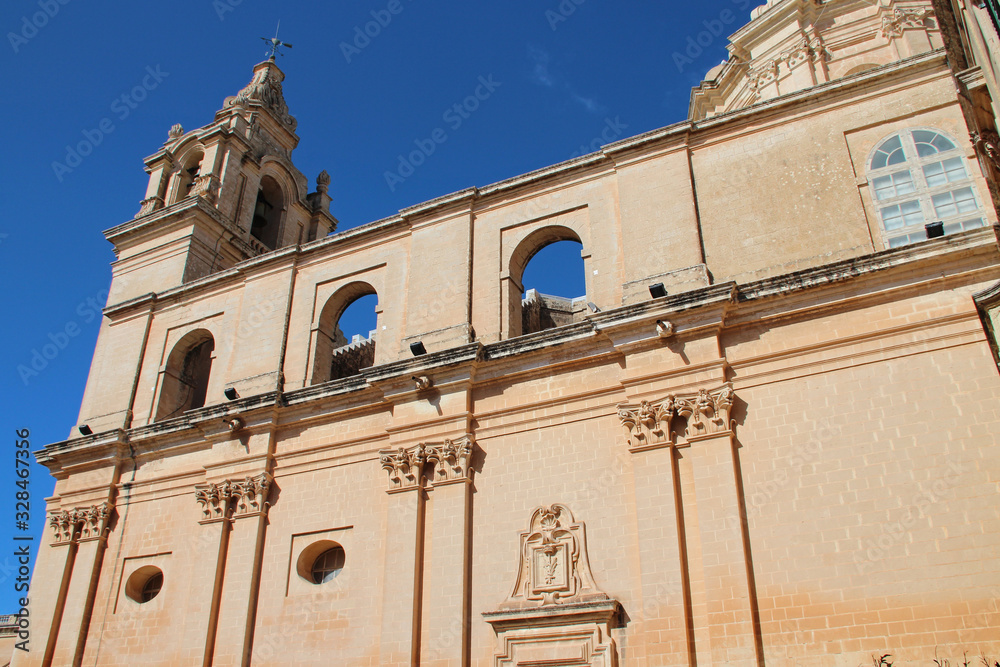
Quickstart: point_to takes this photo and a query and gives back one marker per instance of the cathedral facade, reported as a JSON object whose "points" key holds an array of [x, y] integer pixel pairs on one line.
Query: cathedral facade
{"points": [[768, 434]]}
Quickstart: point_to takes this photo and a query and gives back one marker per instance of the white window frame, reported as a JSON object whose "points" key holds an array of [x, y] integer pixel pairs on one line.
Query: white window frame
{"points": [[923, 193]]}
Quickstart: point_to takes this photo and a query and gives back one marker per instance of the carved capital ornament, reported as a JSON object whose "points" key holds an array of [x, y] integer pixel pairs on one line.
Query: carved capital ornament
{"points": [[677, 419], [81, 524], [230, 499], [441, 463]]}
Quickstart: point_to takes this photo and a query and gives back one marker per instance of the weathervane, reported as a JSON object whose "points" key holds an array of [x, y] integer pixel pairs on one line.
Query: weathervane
{"points": [[276, 43]]}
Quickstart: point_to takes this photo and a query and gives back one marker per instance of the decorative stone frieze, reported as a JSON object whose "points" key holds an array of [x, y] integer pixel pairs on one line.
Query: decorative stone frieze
{"points": [[452, 459], [677, 419], [147, 206], [91, 521], [225, 500]]}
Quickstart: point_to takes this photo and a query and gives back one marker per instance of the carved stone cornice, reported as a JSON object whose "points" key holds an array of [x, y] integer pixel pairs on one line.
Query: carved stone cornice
{"points": [[228, 500], [442, 463], [677, 420], [81, 524]]}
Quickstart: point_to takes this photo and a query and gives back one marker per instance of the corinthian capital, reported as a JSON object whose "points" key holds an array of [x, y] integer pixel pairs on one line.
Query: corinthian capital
{"points": [[676, 419]]}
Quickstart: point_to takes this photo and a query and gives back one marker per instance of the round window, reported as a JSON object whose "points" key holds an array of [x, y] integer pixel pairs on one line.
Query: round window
{"points": [[144, 584], [328, 565]]}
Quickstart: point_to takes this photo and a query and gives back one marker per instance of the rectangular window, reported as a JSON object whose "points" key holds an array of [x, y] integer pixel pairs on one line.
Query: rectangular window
{"points": [[893, 185], [899, 241], [954, 203], [902, 215], [963, 226], [942, 173]]}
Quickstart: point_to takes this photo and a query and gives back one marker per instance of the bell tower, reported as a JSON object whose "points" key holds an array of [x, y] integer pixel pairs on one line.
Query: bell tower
{"points": [[221, 194]]}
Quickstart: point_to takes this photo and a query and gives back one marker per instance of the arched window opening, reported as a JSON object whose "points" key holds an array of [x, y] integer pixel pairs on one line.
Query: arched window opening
{"points": [[189, 174], [185, 381], [267, 213], [918, 177], [345, 340], [553, 287]]}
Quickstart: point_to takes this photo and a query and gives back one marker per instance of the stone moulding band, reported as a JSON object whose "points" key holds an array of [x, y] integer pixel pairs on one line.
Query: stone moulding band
{"points": [[450, 462], [228, 499], [92, 523], [677, 420]]}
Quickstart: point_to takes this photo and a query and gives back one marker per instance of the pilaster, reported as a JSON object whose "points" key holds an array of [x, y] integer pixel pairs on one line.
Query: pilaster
{"points": [[237, 510], [445, 625]]}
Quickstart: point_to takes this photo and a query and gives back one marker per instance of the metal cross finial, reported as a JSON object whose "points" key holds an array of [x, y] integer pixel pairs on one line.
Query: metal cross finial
{"points": [[276, 44]]}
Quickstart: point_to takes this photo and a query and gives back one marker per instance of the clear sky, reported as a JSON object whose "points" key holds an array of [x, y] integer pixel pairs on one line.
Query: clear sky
{"points": [[556, 78]]}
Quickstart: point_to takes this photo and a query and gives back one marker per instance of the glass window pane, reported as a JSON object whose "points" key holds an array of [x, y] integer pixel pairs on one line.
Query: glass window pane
{"points": [[890, 152], [902, 215], [931, 143], [941, 173], [893, 185], [963, 226], [916, 237], [955, 202]]}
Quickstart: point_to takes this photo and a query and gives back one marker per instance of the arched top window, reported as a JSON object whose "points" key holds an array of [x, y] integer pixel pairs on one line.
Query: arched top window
{"points": [[185, 379], [189, 173], [920, 176], [345, 337], [266, 223], [547, 281]]}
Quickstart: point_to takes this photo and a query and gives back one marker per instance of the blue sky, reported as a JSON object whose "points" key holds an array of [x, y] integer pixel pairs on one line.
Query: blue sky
{"points": [[555, 79]]}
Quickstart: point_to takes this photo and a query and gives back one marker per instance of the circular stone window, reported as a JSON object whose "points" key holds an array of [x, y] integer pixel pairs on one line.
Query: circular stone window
{"points": [[321, 562], [144, 584]]}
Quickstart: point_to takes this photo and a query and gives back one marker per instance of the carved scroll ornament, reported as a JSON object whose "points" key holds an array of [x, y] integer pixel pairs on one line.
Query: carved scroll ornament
{"points": [[676, 417]]}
